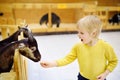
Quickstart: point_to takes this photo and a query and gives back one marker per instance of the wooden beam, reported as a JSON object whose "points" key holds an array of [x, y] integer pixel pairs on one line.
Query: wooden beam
{"points": [[43, 5], [50, 17]]}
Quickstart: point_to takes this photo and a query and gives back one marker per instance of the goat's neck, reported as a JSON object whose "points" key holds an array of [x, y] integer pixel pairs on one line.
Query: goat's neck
{"points": [[11, 38]]}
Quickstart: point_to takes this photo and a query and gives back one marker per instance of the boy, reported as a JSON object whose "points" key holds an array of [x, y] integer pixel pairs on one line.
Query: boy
{"points": [[96, 58]]}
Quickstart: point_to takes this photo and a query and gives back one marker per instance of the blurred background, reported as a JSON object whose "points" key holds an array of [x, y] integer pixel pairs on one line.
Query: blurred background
{"points": [[53, 23]]}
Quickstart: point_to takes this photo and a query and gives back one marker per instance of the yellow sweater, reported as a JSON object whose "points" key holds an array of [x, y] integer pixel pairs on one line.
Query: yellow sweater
{"points": [[92, 60]]}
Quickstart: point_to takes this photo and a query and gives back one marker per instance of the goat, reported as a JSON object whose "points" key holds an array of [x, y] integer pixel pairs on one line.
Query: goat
{"points": [[14, 37], [27, 47], [55, 19], [115, 19]]}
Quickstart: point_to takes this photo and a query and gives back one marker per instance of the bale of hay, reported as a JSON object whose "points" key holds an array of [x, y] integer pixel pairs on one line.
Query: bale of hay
{"points": [[8, 76]]}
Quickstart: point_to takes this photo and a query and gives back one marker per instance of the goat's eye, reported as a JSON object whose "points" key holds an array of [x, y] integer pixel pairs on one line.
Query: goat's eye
{"points": [[33, 48]]}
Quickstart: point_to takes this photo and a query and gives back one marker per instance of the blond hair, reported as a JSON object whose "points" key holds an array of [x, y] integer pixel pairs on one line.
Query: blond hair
{"points": [[90, 23]]}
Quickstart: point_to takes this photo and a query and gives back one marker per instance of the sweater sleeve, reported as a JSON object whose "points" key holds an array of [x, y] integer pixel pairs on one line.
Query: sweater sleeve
{"points": [[111, 57], [70, 57]]}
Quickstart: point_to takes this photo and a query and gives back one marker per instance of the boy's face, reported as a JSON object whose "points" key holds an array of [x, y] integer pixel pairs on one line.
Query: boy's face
{"points": [[84, 36]]}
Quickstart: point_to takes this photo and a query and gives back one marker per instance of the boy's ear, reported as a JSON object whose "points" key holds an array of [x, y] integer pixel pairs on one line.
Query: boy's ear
{"points": [[94, 33]]}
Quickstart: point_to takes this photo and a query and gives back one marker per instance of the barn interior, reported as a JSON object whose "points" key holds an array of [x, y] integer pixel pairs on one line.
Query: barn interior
{"points": [[14, 13], [31, 11]]}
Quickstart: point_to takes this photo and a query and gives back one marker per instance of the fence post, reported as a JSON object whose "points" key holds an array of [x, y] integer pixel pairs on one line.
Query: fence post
{"points": [[20, 63]]}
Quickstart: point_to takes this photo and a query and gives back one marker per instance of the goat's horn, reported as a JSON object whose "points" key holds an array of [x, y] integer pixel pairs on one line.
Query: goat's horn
{"points": [[19, 27], [26, 25]]}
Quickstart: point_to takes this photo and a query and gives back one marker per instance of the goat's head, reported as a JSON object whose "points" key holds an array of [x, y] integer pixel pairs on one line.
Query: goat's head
{"points": [[26, 31], [29, 48]]}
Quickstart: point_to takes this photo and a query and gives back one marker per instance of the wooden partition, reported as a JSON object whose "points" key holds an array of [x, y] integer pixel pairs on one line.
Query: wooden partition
{"points": [[20, 64], [69, 13], [104, 12], [7, 30]]}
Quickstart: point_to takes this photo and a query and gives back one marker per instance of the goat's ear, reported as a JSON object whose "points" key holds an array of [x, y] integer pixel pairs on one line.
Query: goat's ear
{"points": [[21, 45], [19, 27], [26, 25]]}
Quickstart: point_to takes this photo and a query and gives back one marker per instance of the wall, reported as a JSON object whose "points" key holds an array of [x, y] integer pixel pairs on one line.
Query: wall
{"points": [[100, 2], [67, 15], [39, 1]]}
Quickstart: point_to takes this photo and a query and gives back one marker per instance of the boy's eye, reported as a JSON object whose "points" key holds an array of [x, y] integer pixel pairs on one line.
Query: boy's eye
{"points": [[80, 32]]}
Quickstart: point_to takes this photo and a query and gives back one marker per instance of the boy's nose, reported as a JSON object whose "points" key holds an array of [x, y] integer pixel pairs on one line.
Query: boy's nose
{"points": [[79, 35]]}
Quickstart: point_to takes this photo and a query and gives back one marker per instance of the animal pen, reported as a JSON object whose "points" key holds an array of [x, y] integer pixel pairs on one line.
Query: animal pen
{"points": [[68, 25], [69, 13]]}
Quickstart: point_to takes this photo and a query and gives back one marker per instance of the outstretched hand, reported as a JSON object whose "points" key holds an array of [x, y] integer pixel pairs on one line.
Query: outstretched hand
{"points": [[46, 64]]}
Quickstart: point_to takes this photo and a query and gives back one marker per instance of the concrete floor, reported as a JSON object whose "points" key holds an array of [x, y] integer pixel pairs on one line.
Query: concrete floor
{"points": [[53, 47]]}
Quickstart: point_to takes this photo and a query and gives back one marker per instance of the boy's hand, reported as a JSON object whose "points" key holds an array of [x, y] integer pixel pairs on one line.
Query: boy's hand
{"points": [[103, 75], [48, 64]]}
